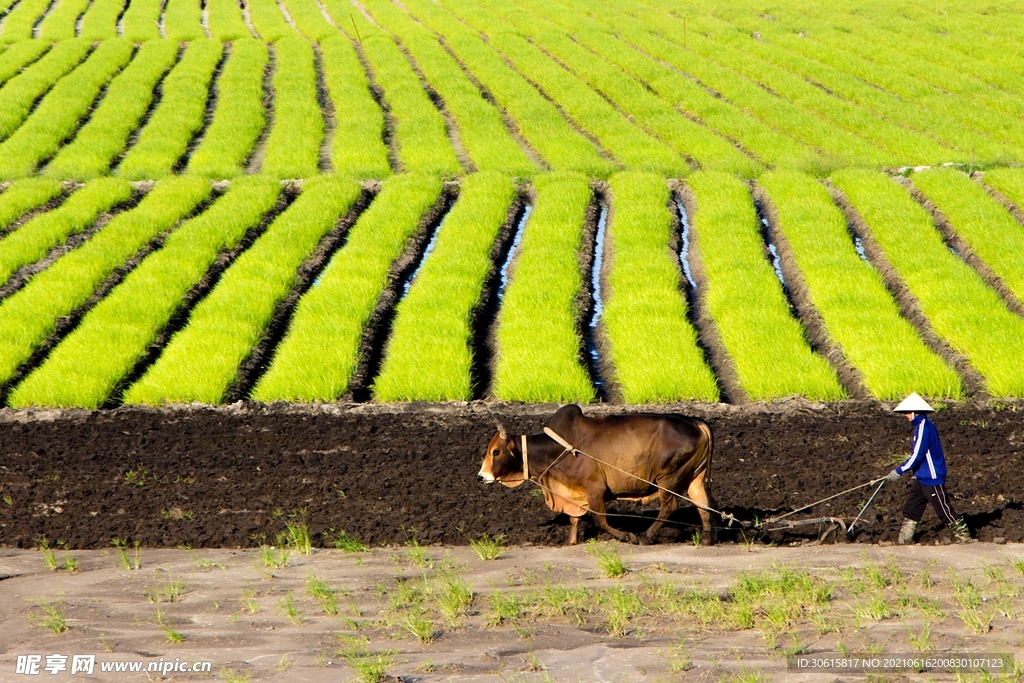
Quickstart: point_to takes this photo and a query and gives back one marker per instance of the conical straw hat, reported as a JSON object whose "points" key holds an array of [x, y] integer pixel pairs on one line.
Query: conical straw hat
{"points": [[913, 404]]}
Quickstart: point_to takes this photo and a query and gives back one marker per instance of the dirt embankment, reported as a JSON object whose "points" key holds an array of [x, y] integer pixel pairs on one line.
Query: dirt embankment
{"points": [[229, 477]]}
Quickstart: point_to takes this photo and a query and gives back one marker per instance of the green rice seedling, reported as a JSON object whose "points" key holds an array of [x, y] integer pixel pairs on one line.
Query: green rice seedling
{"points": [[987, 227], [625, 141], [419, 129], [170, 634], [481, 130], [297, 132], [22, 196], [287, 605], [177, 118], [655, 115], [19, 24], [746, 300], [239, 117], [53, 617], [505, 607], [858, 312], [310, 21], [329, 320], [100, 20], [225, 20], [297, 537], [653, 348], [275, 558], [1018, 564], [538, 345], [59, 113], [453, 596], [232, 676], [141, 20], [540, 122], [488, 548], [417, 554], [960, 308], [59, 23], [169, 592], [349, 544], [201, 361], [128, 562], [780, 596], [87, 367], [357, 147], [1007, 181], [921, 641], [608, 560], [49, 554], [268, 21], [18, 57], [422, 628], [429, 356], [33, 240], [70, 563], [318, 589], [371, 668], [118, 114], [183, 20], [623, 609], [19, 94]]}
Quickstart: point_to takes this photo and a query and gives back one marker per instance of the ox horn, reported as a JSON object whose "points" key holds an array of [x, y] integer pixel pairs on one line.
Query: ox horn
{"points": [[501, 431]]}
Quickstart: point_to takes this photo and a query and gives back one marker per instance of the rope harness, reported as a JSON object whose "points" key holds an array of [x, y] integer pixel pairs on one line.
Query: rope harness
{"points": [[568, 448]]}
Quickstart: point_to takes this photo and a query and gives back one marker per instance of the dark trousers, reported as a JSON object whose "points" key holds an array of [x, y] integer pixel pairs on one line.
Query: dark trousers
{"points": [[921, 495]]}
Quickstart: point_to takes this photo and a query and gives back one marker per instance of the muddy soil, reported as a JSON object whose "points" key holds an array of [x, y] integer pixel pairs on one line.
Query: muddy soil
{"points": [[537, 614], [229, 477]]}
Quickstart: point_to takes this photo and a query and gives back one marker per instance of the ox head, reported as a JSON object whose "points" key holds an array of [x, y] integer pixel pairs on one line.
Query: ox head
{"points": [[501, 462]]}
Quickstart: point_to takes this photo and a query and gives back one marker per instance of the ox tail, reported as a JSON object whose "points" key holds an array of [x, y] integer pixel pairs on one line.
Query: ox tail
{"points": [[705, 447]]}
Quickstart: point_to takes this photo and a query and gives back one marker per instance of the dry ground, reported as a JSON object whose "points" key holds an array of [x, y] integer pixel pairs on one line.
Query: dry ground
{"points": [[537, 613]]}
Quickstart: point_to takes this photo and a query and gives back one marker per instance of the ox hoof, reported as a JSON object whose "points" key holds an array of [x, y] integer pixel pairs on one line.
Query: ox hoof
{"points": [[630, 538], [645, 541]]}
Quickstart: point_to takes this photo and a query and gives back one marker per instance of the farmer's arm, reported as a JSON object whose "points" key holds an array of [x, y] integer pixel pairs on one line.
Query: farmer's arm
{"points": [[916, 452]]}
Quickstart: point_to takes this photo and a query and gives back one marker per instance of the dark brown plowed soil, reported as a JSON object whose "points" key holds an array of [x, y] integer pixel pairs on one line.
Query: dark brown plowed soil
{"points": [[224, 477]]}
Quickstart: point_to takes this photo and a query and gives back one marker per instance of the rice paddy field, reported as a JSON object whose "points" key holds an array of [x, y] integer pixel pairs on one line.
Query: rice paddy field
{"points": [[453, 200]]}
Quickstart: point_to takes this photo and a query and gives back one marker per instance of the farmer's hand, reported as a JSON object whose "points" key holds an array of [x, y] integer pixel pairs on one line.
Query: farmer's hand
{"points": [[893, 476]]}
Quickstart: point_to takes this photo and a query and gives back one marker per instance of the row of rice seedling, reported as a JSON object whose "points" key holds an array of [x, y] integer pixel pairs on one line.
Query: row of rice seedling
{"points": [[538, 346], [297, 132], [651, 345], [654, 114], [419, 135], [183, 20], [141, 21], [429, 356], [986, 226], [19, 23], [225, 20], [268, 21], [86, 368], [908, 114], [59, 23], [858, 312], [481, 130], [538, 120], [308, 18], [20, 93], [1009, 182], [646, 33], [25, 195], [118, 114], [319, 354], [617, 134], [961, 309], [32, 241], [100, 21], [201, 362], [178, 117], [357, 148], [239, 117], [29, 317], [18, 56], [746, 300], [58, 115]]}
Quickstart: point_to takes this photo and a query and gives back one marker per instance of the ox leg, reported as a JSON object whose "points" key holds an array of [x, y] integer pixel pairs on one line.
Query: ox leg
{"points": [[597, 510], [669, 504], [574, 527], [698, 494]]}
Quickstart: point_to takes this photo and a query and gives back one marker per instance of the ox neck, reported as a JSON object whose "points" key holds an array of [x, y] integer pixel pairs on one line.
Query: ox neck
{"points": [[542, 451]]}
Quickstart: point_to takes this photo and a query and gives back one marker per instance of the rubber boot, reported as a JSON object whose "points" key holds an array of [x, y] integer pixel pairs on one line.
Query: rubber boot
{"points": [[906, 536], [960, 531]]}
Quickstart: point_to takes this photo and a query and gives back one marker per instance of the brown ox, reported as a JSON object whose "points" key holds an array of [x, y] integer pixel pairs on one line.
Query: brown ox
{"points": [[672, 451]]}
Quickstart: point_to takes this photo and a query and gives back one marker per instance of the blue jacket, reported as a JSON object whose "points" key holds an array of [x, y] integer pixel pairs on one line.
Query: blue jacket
{"points": [[926, 460]]}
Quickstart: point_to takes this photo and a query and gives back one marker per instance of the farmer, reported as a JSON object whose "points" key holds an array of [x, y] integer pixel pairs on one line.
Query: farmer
{"points": [[928, 465]]}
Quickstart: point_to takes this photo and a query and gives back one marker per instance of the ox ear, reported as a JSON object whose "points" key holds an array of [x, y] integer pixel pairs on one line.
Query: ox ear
{"points": [[502, 434]]}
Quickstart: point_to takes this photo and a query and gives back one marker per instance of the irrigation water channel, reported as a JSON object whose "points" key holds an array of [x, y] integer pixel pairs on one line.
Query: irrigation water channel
{"points": [[593, 353], [517, 239], [766, 235], [684, 246]]}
